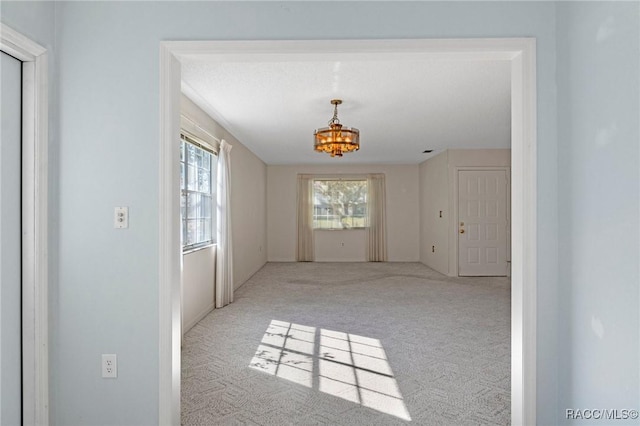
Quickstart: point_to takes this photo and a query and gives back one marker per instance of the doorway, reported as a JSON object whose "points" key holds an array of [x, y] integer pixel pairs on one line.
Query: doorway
{"points": [[521, 55]]}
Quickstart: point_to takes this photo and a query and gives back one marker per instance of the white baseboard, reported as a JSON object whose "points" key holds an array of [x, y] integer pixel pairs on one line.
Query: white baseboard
{"points": [[198, 318]]}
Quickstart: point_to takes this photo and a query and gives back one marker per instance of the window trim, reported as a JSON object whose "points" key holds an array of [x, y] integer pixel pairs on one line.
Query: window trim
{"points": [[198, 248], [188, 137]]}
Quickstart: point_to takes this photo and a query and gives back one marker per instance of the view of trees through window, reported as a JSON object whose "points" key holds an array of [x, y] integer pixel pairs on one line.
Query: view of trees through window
{"points": [[197, 188], [339, 204]]}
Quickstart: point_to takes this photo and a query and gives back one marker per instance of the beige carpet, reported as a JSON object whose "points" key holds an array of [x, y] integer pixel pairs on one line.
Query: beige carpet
{"points": [[352, 344]]}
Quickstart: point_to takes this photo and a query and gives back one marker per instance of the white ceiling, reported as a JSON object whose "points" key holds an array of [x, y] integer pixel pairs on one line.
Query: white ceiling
{"points": [[401, 106]]}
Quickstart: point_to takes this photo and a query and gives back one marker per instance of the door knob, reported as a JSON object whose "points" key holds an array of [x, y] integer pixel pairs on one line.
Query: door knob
{"points": [[462, 231]]}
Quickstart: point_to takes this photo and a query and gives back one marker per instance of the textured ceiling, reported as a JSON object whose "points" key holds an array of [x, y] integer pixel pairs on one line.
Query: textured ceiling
{"points": [[401, 107]]}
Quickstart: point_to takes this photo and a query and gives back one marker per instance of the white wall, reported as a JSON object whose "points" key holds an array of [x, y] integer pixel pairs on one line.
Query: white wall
{"points": [[402, 214], [105, 101], [434, 226], [599, 184], [198, 275]]}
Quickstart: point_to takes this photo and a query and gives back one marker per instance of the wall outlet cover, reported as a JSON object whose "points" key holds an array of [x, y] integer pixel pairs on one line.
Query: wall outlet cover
{"points": [[109, 366]]}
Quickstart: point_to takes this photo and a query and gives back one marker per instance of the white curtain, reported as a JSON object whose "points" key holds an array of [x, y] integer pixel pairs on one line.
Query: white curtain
{"points": [[224, 252], [304, 249], [376, 219]]}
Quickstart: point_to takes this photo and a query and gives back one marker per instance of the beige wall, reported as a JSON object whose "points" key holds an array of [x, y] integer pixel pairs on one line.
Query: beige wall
{"points": [[248, 196], [434, 225], [402, 214], [438, 191], [198, 272], [249, 207], [340, 246]]}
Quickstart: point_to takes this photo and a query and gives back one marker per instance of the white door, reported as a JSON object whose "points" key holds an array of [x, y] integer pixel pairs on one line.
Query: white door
{"points": [[482, 223], [10, 247]]}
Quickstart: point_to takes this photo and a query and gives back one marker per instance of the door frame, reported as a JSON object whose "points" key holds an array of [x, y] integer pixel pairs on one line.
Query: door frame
{"points": [[35, 137], [455, 210], [520, 52]]}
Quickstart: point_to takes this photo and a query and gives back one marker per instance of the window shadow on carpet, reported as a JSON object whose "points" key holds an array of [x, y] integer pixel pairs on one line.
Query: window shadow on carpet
{"points": [[348, 366]]}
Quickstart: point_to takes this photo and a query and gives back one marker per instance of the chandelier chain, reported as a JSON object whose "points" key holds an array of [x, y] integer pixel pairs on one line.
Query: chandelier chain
{"points": [[334, 119]]}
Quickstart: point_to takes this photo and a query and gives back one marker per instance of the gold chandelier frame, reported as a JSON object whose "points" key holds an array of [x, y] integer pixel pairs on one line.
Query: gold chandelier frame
{"points": [[336, 139]]}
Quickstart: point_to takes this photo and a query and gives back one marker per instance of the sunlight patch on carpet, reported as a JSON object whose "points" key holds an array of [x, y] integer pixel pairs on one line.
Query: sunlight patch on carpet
{"points": [[348, 366]]}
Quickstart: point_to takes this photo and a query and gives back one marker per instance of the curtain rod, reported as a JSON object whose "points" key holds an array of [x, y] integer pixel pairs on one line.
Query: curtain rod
{"points": [[194, 140], [200, 127], [340, 176]]}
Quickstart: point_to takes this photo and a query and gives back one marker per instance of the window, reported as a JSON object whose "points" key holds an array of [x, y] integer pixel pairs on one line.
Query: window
{"points": [[197, 189], [339, 203]]}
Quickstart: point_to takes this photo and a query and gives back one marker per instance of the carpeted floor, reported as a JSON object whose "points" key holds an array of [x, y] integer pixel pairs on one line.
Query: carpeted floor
{"points": [[352, 344]]}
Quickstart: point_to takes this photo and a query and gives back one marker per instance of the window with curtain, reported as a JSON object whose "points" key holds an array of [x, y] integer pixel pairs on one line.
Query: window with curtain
{"points": [[339, 203], [198, 166]]}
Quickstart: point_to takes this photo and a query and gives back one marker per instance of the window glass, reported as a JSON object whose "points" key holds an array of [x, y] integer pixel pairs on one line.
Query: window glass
{"points": [[198, 169], [339, 204]]}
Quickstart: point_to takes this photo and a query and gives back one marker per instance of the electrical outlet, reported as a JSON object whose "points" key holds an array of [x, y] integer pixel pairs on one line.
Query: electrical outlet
{"points": [[121, 217], [109, 366]]}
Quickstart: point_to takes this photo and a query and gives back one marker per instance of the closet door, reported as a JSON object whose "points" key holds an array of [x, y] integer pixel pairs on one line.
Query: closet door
{"points": [[482, 223]]}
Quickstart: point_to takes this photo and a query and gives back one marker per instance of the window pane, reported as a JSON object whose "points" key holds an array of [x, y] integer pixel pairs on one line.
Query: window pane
{"points": [[191, 231], [182, 175], [203, 180], [183, 205], [199, 154], [191, 154], [339, 204], [205, 206], [207, 230], [201, 231], [192, 178], [181, 150], [193, 205], [206, 161]]}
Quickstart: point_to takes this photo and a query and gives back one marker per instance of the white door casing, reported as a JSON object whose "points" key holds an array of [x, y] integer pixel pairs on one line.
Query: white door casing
{"points": [[482, 223], [521, 52], [34, 232], [10, 257]]}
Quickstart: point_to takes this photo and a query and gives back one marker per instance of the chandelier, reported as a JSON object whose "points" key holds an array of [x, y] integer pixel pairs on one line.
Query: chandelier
{"points": [[336, 139]]}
